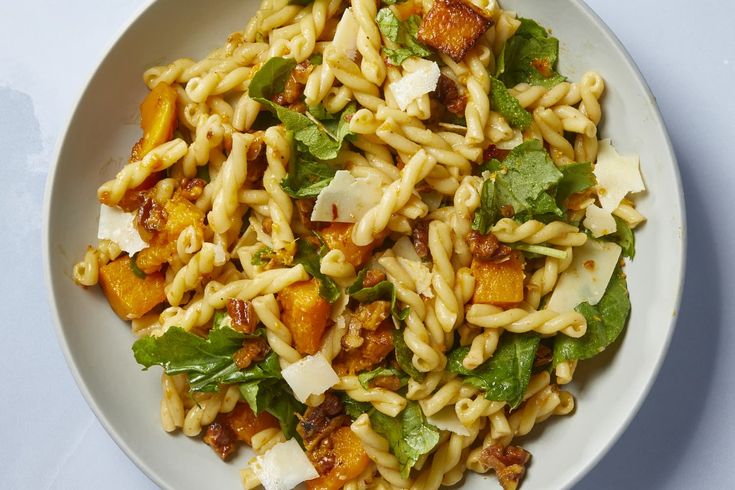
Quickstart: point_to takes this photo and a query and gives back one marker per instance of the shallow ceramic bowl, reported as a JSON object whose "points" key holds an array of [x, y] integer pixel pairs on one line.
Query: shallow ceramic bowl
{"points": [[96, 343]]}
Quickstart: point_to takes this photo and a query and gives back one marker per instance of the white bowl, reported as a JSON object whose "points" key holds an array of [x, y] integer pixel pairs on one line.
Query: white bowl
{"points": [[97, 344]]}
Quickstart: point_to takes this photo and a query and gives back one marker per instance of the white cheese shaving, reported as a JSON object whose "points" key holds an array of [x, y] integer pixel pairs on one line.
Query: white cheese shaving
{"points": [[446, 419], [339, 306], [345, 35], [403, 248], [509, 144], [346, 199], [420, 274], [617, 176], [312, 375], [119, 227], [260, 233], [283, 467], [415, 84], [599, 221], [587, 277]]}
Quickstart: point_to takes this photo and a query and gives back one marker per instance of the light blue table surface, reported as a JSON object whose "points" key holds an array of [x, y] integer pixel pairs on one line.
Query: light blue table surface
{"points": [[684, 435]]}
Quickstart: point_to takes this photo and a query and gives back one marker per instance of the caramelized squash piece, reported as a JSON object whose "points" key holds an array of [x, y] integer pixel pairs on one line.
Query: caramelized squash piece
{"points": [[157, 118], [129, 295], [305, 313], [376, 346], [350, 459], [453, 27], [338, 236], [499, 283], [246, 424]]}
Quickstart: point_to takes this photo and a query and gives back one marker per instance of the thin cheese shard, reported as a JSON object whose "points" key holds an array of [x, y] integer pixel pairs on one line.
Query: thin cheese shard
{"points": [[599, 221], [446, 419], [413, 85], [586, 279], [312, 375], [118, 226], [346, 199], [345, 35], [617, 176], [283, 467]]}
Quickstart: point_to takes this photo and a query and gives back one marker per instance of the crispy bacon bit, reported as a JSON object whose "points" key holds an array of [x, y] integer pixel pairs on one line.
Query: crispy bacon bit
{"points": [[373, 277], [448, 94], [453, 27], [420, 236], [191, 189], [367, 318], [151, 215], [377, 345], [252, 350], [319, 422], [392, 383], [487, 247], [543, 356], [493, 151], [243, 315], [509, 463], [222, 439]]}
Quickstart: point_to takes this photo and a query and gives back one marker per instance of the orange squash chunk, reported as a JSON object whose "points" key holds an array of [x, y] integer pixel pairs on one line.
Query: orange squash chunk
{"points": [[350, 461], [338, 236], [129, 295], [453, 27], [499, 284], [305, 313], [157, 118], [246, 424]]}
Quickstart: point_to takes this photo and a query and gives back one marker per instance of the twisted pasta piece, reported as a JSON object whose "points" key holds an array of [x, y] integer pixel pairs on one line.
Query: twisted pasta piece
{"points": [[383, 400], [482, 348], [233, 174], [446, 306], [545, 322], [470, 409], [477, 111], [544, 279], [209, 133], [172, 405], [378, 451], [335, 265], [564, 372], [207, 406], [349, 74], [188, 242], [133, 174], [191, 275], [278, 153], [447, 457], [534, 232], [86, 272], [369, 41], [277, 334], [444, 396]]}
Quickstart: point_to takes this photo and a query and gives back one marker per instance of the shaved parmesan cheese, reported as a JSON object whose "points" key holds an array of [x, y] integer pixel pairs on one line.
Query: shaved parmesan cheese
{"points": [[617, 176], [415, 84], [599, 221], [446, 419], [516, 140], [312, 375], [346, 199], [587, 277], [339, 306], [119, 227], [403, 248], [420, 274], [345, 36], [283, 467]]}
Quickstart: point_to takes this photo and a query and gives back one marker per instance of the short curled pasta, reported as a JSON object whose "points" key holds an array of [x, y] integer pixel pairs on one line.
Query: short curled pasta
{"points": [[517, 320]]}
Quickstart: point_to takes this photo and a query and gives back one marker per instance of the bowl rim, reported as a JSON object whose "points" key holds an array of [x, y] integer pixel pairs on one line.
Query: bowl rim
{"points": [[151, 473]]}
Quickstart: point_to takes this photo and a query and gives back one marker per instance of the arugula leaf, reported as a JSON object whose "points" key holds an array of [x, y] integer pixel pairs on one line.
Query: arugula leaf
{"points": [[521, 181], [275, 397], [353, 408], [409, 435], [308, 256], [576, 177], [134, 266], [404, 356], [384, 290], [271, 78], [505, 376], [307, 177], [381, 372], [316, 59], [508, 106], [403, 33], [529, 56], [624, 237], [321, 113], [605, 322]]}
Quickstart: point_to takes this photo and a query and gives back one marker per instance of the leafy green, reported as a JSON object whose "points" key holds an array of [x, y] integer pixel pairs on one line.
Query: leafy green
{"points": [[409, 435], [262, 256], [605, 322], [522, 182], [308, 256], [505, 375], [576, 177], [271, 78], [353, 408], [307, 177], [624, 237], [203, 173], [320, 112], [403, 33], [508, 106], [529, 56], [404, 356], [316, 59], [134, 266], [381, 372], [384, 290], [275, 397]]}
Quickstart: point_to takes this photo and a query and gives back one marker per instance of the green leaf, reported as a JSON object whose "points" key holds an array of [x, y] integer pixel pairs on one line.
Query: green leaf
{"points": [[203, 173], [403, 33], [529, 56], [307, 177], [271, 78], [316, 59], [576, 177], [505, 376], [384, 290], [605, 322], [308, 256], [353, 408], [409, 435], [404, 356], [487, 214], [508, 106], [624, 237], [275, 397], [134, 267], [321, 113], [381, 372]]}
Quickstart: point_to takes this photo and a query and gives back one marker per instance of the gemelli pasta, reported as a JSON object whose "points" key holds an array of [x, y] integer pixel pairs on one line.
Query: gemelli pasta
{"points": [[372, 239]]}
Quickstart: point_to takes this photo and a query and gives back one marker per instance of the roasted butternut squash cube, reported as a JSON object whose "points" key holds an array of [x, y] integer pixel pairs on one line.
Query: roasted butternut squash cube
{"points": [[246, 424], [305, 313], [129, 295], [338, 236], [157, 118], [499, 283], [453, 27], [350, 459]]}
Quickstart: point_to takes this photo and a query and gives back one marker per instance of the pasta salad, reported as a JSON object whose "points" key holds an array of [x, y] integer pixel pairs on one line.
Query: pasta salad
{"points": [[370, 241]]}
